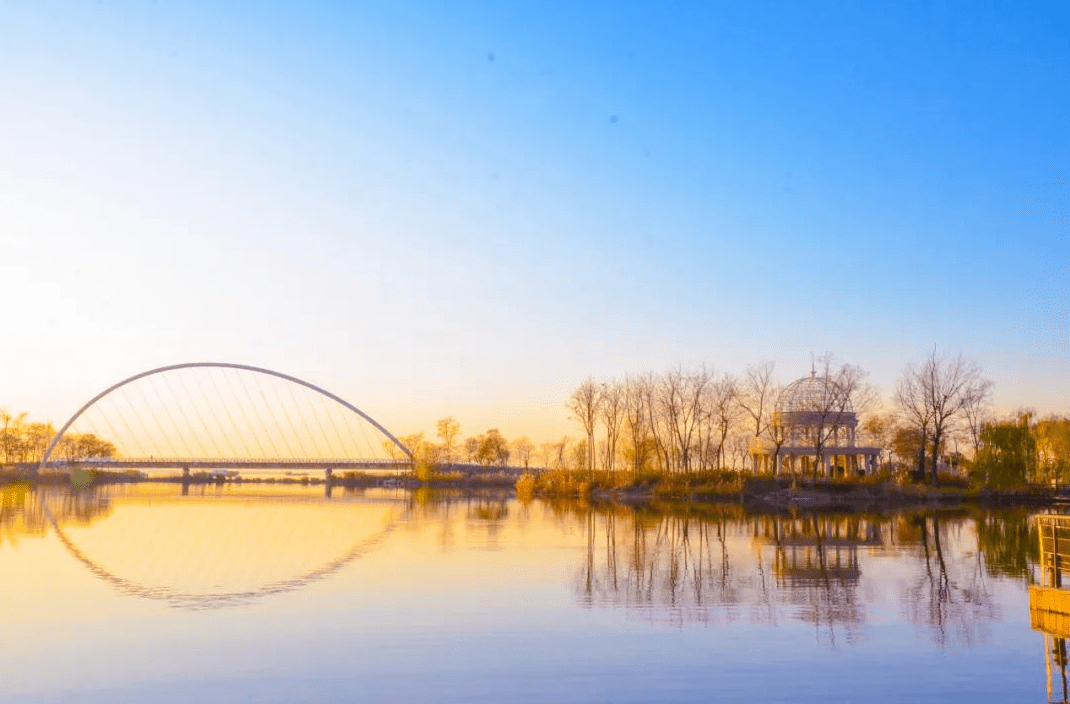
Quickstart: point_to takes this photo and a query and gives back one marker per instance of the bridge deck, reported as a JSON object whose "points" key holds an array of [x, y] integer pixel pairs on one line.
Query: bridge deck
{"points": [[224, 463]]}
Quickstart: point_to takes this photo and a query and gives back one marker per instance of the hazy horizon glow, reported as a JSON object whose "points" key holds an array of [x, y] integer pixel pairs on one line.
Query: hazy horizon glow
{"points": [[437, 211]]}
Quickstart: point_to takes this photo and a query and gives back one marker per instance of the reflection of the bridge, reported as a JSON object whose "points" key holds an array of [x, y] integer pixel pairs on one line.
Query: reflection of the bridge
{"points": [[1049, 603], [213, 548], [710, 564], [208, 546]]}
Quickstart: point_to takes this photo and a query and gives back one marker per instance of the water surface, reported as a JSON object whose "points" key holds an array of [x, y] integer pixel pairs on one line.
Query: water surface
{"points": [[283, 594]]}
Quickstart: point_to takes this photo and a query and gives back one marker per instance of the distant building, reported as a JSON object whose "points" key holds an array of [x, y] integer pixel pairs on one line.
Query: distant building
{"points": [[814, 411]]}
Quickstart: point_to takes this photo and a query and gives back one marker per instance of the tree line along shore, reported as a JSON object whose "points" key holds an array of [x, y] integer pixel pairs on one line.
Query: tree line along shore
{"points": [[698, 433]]}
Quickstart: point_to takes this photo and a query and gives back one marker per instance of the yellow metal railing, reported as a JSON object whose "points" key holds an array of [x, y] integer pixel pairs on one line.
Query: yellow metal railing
{"points": [[1054, 533], [1049, 605]]}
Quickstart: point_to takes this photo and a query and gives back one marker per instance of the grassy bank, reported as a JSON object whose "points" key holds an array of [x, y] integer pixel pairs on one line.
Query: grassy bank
{"points": [[872, 490], [725, 487], [580, 483]]}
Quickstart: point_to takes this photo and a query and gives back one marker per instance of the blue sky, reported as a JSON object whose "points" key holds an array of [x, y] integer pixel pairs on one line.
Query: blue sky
{"points": [[433, 210]]}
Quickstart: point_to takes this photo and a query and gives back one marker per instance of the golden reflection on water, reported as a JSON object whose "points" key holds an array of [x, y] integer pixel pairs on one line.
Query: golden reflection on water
{"points": [[720, 565], [391, 560], [207, 549], [225, 547]]}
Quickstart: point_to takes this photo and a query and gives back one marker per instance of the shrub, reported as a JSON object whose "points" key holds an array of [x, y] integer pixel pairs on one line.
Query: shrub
{"points": [[425, 470], [525, 487]]}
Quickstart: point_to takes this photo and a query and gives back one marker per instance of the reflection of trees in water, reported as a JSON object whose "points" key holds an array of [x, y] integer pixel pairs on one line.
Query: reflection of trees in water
{"points": [[678, 565], [24, 511], [1009, 543], [726, 568], [487, 511], [949, 593], [691, 569], [815, 560]]}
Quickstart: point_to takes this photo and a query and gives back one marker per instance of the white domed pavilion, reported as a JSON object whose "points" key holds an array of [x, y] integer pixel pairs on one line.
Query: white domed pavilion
{"points": [[814, 422]]}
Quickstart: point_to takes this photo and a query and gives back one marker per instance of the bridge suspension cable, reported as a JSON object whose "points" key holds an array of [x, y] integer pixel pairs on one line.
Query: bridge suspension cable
{"points": [[217, 411]]}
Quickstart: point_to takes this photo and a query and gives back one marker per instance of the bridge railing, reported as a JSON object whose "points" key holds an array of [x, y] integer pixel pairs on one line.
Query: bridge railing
{"points": [[223, 463]]}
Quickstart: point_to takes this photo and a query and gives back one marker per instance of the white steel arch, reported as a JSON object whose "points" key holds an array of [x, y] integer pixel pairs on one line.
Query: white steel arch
{"points": [[218, 365]]}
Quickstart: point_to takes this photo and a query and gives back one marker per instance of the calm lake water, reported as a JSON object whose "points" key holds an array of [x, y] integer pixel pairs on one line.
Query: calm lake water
{"points": [[281, 594]]}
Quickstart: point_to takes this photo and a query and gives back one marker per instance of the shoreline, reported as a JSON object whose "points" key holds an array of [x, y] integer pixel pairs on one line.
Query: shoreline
{"points": [[757, 493]]}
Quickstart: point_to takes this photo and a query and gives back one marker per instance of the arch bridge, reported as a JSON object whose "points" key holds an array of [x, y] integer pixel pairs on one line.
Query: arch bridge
{"points": [[220, 415]]}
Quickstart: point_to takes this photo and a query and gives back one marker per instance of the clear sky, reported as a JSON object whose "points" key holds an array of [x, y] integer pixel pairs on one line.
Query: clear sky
{"points": [[466, 209]]}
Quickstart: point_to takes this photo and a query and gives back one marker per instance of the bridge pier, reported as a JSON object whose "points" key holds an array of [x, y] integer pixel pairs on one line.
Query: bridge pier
{"points": [[327, 482]]}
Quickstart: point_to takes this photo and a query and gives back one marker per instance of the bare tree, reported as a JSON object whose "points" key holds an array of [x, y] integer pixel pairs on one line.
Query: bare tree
{"points": [[671, 408], [493, 449], [612, 405], [774, 429], [738, 444], [35, 440], [561, 451], [522, 449], [553, 454], [914, 409], [11, 435], [938, 392], [636, 418], [724, 410], [692, 397], [584, 404], [653, 393], [756, 396], [976, 413], [448, 430], [547, 453], [828, 403], [471, 448], [878, 430]]}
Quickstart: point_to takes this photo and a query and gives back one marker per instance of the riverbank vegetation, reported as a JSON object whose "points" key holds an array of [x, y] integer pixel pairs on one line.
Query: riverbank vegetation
{"points": [[705, 433], [23, 442], [730, 485]]}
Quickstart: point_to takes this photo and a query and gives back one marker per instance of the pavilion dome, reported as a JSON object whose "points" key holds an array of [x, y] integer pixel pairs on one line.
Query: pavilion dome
{"points": [[808, 394]]}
